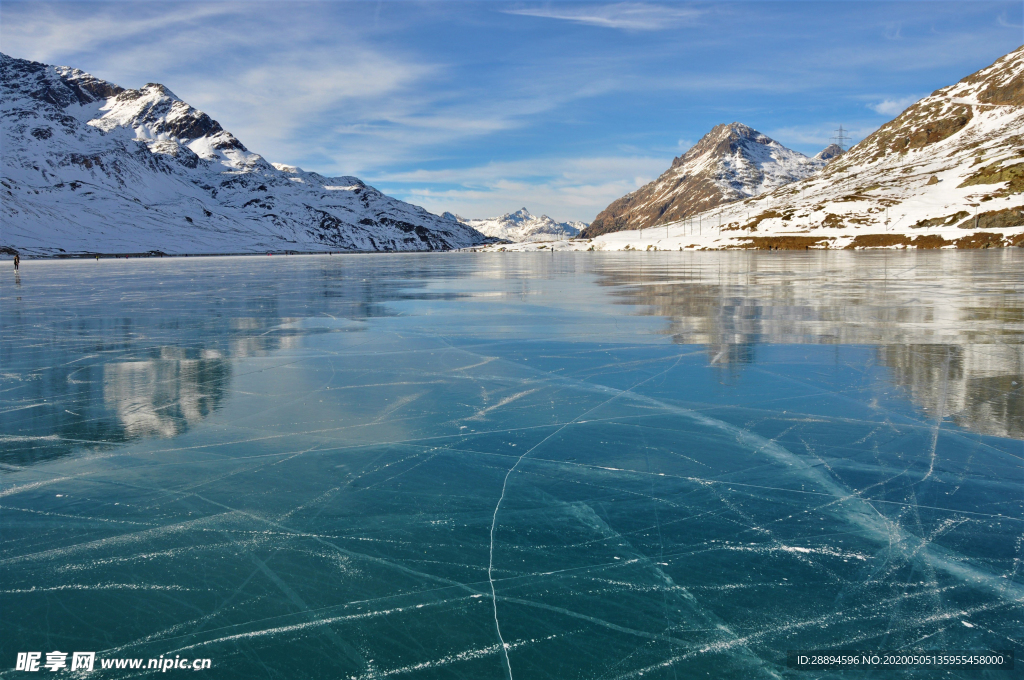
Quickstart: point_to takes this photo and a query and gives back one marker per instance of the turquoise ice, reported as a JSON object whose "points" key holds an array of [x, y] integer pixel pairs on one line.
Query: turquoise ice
{"points": [[667, 465]]}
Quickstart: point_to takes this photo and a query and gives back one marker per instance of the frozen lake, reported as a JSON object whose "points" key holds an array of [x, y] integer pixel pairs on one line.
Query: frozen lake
{"points": [[668, 465]]}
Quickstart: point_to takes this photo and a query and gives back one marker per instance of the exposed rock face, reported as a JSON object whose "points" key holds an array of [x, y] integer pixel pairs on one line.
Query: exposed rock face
{"points": [[88, 166], [730, 163], [520, 226]]}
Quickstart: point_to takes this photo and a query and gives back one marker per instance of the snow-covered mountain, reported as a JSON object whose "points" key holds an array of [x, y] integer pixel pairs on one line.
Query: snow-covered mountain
{"points": [[520, 226], [730, 163], [88, 166], [946, 173]]}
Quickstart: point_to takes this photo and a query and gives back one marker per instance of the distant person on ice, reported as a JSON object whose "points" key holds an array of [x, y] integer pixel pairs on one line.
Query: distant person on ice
{"points": [[17, 261]]}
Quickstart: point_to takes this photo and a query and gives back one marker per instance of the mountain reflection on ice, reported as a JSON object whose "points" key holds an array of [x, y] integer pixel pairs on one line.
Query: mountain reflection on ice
{"points": [[976, 385], [951, 331], [637, 464], [161, 397]]}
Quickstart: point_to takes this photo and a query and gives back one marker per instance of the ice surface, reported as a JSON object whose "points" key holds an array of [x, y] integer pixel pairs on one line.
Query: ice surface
{"points": [[667, 465]]}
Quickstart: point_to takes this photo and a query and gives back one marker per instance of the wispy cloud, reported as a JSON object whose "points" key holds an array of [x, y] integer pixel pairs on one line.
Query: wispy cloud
{"points": [[1003, 21], [49, 32], [893, 107], [892, 31], [564, 188], [630, 16], [569, 170], [279, 99], [417, 123]]}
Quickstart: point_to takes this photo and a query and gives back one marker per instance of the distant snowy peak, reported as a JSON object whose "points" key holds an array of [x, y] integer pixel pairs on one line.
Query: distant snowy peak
{"points": [[729, 163], [522, 226], [89, 166]]}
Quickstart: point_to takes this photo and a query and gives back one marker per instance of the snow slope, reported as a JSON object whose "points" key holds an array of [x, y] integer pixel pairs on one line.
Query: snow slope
{"points": [[730, 163], [88, 166], [521, 226], [946, 173]]}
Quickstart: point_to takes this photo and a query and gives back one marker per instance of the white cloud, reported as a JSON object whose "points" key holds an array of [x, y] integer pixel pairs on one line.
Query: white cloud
{"points": [[564, 188], [893, 31], [631, 16], [893, 107], [50, 32], [274, 100], [1006, 23], [414, 123]]}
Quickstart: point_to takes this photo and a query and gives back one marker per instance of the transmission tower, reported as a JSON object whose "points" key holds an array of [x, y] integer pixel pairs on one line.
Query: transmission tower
{"points": [[840, 138]]}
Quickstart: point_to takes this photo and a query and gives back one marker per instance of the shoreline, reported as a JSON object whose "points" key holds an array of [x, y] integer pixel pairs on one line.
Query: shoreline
{"points": [[534, 247], [158, 255]]}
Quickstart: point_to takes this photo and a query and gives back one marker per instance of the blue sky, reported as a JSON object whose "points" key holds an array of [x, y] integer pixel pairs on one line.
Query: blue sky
{"points": [[485, 107]]}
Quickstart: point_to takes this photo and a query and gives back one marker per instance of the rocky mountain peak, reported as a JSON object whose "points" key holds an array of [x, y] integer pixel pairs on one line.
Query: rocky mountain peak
{"points": [[88, 88], [739, 131], [731, 162], [723, 140], [59, 86], [160, 89], [155, 112], [829, 152], [152, 111]]}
